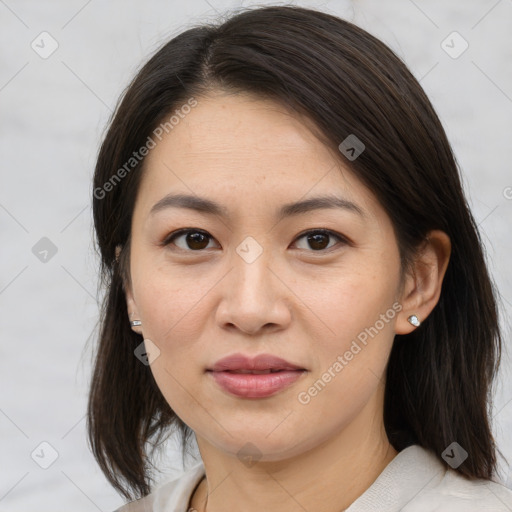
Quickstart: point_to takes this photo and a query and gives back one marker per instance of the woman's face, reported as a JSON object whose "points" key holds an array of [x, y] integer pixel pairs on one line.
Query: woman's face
{"points": [[251, 281]]}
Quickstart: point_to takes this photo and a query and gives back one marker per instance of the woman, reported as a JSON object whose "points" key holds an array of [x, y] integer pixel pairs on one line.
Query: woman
{"points": [[294, 277]]}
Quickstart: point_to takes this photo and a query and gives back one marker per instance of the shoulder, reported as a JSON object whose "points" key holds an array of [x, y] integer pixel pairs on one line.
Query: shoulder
{"points": [[173, 494], [446, 490], [417, 481], [457, 493]]}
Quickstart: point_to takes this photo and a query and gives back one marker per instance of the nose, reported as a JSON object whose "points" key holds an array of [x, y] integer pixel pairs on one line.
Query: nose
{"points": [[254, 297]]}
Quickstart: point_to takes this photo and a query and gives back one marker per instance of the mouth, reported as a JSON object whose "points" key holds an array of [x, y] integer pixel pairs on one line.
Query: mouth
{"points": [[259, 377], [261, 364], [255, 385], [256, 372]]}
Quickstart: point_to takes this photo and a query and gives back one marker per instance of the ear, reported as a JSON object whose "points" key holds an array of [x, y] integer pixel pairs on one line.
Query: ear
{"points": [[133, 313], [423, 282]]}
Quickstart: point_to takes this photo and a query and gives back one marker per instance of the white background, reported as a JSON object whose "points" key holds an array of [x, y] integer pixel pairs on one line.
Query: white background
{"points": [[52, 115]]}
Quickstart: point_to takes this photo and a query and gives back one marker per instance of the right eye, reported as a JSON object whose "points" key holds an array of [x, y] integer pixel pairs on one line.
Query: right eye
{"points": [[193, 240]]}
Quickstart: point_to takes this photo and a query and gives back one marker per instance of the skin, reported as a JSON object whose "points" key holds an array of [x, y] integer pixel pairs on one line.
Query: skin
{"points": [[295, 301]]}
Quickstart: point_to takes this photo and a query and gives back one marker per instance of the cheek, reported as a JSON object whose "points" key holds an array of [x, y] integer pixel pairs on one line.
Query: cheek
{"points": [[169, 302], [352, 332], [170, 311], [345, 302], [352, 340]]}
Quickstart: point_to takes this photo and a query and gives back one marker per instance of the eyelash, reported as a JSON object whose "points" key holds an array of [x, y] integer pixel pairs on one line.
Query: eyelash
{"points": [[175, 234]]}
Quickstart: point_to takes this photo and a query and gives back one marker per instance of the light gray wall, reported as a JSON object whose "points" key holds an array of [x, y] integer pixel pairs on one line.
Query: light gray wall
{"points": [[52, 114]]}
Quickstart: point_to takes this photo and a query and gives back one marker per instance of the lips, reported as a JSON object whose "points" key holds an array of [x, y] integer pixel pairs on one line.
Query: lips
{"points": [[263, 363], [259, 377]]}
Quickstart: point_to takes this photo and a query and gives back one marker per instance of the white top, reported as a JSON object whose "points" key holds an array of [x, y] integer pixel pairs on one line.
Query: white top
{"points": [[414, 481]]}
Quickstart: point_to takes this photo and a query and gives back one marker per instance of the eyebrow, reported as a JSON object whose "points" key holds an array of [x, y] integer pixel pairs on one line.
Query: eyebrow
{"points": [[207, 206]]}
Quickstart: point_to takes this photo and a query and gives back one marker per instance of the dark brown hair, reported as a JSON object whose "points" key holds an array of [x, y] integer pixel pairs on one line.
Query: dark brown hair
{"points": [[439, 377]]}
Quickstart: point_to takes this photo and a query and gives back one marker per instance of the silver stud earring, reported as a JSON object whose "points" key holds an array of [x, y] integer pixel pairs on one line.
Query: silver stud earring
{"points": [[135, 323], [414, 320]]}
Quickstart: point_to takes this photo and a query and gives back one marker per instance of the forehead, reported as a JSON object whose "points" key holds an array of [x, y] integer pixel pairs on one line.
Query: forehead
{"points": [[234, 146]]}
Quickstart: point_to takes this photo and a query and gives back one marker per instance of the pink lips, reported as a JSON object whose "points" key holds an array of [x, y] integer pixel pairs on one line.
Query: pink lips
{"points": [[258, 377]]}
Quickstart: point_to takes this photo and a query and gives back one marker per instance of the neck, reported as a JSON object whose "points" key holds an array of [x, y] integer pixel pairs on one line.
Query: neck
{"points": [[327, 478]]}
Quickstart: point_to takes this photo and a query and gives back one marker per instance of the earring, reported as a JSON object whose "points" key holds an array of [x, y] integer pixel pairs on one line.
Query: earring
{"points": [[414, 320], [135, 323]]}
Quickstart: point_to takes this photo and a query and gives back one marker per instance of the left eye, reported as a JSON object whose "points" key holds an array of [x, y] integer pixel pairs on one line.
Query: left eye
{"points": [[197, 240], [317, 238]]}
